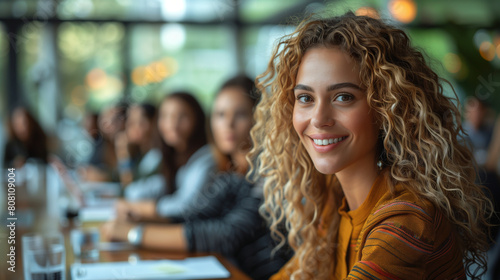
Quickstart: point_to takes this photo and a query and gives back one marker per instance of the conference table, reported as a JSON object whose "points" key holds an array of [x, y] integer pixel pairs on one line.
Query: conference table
{"points": [[127, 253]]}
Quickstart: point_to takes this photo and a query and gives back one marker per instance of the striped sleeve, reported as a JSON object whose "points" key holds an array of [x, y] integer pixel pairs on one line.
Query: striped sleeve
{"points": [[397, 242]]}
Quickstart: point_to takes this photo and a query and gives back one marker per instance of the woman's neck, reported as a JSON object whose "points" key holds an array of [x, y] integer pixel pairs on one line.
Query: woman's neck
{"points": [[182, 155], [145, 147], [356, 181], [181, 149]]}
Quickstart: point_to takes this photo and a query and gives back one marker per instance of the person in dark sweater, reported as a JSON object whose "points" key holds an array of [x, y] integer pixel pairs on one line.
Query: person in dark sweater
{"points": [[224, 216]]}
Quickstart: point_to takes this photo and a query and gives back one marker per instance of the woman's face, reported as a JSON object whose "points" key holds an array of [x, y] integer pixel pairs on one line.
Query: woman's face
{"points": [[137, 126], [475, 113], [232, 120], [176, 123], [20, 125], [111, 122], [331, 114]]}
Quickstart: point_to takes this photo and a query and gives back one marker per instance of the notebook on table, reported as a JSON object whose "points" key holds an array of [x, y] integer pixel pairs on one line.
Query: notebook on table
{"points": [[191, 268]]}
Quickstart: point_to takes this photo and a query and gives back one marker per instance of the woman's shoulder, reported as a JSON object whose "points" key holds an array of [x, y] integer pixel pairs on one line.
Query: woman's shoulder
{"points": [[401, 201], [403, 229], [202, 156], [201, 161], [403, 210], [231, 179]]}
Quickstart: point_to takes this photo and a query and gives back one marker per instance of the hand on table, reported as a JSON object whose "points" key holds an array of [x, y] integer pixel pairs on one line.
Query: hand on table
{"points": [[135, 211], [116, 230]]}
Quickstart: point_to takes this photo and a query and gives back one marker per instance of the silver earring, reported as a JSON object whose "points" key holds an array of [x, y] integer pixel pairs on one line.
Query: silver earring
{"points": [[379, 164]]}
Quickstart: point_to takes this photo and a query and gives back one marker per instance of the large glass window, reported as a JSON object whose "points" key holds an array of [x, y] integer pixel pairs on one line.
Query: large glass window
{"points": [[31, 68], [150, 10], [173, 57], [90, 65], [259, 43]]}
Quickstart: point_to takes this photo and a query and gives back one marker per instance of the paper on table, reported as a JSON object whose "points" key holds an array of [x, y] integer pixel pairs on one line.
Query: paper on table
{"points": [[190, 268], [97, 214]]}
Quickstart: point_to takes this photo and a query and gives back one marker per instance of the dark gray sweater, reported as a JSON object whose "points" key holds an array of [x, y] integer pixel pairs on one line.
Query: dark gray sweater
{"points": [[224, 219]]}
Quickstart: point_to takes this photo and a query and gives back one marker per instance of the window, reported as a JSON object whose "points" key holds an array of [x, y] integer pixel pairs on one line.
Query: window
{"points": [[90, 65], [173, 57]]}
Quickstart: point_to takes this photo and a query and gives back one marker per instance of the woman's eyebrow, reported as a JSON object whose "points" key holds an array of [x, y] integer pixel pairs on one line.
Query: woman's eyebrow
{"points": [[303, 87], [330, 87], [342, 85]]}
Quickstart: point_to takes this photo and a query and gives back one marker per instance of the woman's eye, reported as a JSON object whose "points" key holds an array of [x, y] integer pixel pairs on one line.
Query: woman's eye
{"points": [[304, 98], [344, 98]]}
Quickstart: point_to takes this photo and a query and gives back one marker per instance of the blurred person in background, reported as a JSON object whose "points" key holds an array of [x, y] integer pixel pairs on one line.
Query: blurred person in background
{"points": [[491, 167], [139, 156], [91, 125], [27, 140], [187, 159], [493, 159], [478, 126], [37, 184], [224, 216], [103, 164]]}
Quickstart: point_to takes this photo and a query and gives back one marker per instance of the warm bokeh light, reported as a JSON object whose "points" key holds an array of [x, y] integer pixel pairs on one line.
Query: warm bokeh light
{"points": [[403, 11], [452, 63], [498, 51], [368, 11], [487, 51], [155, 72], [96, 79], [139, 76]]}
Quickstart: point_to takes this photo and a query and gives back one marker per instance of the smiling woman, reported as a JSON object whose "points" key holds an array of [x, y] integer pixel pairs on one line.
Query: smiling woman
{"points": [[331, 115], [362, 158]]}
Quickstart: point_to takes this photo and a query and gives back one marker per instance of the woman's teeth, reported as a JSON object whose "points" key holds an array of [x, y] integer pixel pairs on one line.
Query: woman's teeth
{"points": [[324, 142]]}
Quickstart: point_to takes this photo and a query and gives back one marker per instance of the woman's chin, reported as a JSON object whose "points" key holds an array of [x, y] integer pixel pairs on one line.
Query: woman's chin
{"points": [[325, 168]]}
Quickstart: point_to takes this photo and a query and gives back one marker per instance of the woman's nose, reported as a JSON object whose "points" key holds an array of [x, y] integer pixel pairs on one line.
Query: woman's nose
{"points": [[323, 115]]}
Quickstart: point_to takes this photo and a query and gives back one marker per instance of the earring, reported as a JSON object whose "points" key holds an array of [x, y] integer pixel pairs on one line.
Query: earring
{"points": [[379, 164]]}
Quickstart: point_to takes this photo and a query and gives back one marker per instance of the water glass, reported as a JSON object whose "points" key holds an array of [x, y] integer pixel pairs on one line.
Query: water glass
{"points": [[85, 243], [44, 256]]}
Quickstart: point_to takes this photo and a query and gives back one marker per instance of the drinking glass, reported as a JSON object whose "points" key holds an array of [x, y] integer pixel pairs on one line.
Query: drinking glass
{"points": [[44, 256], [85, 243]]}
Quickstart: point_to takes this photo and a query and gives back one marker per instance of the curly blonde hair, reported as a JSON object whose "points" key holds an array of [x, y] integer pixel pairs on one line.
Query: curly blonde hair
{"points": [[420, 141]]}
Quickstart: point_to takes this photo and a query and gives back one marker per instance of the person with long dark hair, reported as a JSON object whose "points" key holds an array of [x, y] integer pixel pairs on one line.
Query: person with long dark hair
{"points": [[103, 163], [224, 215], [187, 159], [139, 155], [27, 140]]}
